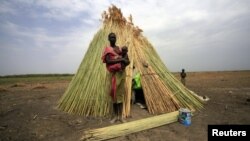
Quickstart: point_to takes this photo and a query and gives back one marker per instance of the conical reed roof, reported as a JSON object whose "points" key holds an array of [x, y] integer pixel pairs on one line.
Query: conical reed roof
{"points": [[88, 92]]}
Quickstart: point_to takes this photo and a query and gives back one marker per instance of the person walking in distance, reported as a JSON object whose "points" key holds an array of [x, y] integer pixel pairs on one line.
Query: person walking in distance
{"points": [[183, 77]]}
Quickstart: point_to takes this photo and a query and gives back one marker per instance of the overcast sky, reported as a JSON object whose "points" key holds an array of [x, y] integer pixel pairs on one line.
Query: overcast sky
{"points": [[52, 36]]}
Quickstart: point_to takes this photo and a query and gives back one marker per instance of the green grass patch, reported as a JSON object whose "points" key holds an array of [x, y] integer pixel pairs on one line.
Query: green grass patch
{"points": [[34, 78]]}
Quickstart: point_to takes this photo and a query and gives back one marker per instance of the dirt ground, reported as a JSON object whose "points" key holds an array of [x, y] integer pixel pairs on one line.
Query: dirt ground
{"points": [[28, 111]]}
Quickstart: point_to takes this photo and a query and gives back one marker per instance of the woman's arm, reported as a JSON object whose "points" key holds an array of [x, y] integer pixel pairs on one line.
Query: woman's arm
{"points": [[113, 61], [126, 60]]}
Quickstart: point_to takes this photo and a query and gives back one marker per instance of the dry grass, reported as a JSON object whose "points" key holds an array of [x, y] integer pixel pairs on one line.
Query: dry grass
{"points": [[18, 85], [39, 87], [3, 89]]}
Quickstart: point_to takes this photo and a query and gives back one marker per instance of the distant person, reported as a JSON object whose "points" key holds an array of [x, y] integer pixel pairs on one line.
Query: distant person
{"points": [[183, 76]]}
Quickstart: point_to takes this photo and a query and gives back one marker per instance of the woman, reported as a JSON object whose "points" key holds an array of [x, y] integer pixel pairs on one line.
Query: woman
{"points": [[112, 56]]}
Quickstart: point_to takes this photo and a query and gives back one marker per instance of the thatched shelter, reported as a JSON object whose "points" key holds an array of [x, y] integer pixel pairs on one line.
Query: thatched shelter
{"points": [[88, 92]]}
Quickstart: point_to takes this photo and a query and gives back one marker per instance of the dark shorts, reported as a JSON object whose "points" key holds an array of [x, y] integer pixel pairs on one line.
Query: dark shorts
{"points": [[139, 96]]}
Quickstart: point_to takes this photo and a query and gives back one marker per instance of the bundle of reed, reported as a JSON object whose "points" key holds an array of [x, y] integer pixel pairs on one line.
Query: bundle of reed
{"points": [[82, 96], [158, 97], [180, 92], [88, 91], [129, 127]]}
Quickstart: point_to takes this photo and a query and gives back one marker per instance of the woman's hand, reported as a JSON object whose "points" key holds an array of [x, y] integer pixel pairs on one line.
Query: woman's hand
{"points": [[125, 61], [118, 57]]}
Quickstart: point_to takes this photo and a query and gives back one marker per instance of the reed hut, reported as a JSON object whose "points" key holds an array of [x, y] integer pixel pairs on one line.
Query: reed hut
{"points": [[88, 91]]}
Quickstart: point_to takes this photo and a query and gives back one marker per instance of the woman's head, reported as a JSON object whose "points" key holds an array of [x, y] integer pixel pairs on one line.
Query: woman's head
{"points": [[112, 38]]}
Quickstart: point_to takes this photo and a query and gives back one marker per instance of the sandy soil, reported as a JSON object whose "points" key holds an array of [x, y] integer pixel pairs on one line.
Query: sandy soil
{"points": [[28, 111]]}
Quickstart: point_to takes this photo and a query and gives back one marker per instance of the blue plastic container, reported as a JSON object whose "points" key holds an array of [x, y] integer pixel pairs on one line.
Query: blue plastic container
{"points": [[184, 116]]}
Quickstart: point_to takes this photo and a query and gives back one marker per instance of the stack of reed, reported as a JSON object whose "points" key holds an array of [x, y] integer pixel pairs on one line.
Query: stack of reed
{"points": [[88, 91]]}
